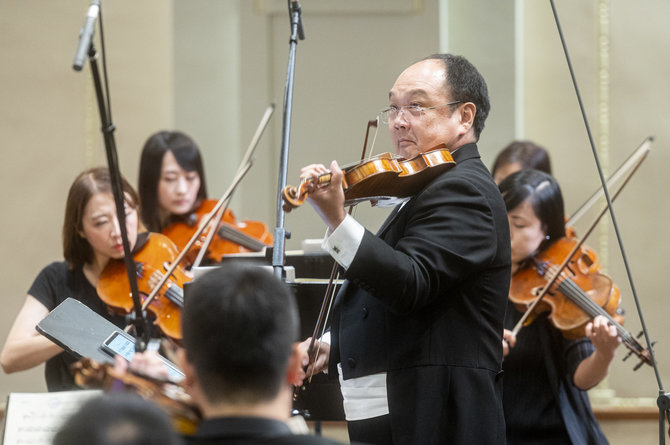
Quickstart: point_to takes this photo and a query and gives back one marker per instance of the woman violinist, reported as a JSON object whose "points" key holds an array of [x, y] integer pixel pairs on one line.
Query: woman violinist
{"points": [[174, 199], [91, 238], [172, 179], [546, 375]]}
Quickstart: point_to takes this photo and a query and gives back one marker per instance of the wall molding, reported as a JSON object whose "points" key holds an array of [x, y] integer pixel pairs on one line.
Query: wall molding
{"points": [[275, 7]]}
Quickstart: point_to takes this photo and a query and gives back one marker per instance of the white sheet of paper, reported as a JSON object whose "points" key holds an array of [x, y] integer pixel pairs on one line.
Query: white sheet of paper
{"points": [[34, 418]]}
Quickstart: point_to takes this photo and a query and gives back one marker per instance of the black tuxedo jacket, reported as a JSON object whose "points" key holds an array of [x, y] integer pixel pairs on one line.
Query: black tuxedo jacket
{"points": [[425, 301]]}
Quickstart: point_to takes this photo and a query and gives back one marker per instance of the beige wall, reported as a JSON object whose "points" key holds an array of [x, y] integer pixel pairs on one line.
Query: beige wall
{"points": [[211, 67]]}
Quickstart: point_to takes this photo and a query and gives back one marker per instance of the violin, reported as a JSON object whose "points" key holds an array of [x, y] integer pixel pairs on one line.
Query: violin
{"points": [[151, 261], [232, 236], [579, 293], [382, 177], [170, 397]]}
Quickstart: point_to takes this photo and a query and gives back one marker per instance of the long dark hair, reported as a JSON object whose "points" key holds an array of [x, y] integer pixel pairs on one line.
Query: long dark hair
{"points": [[545, 198], [76, 249], [186, 151]]}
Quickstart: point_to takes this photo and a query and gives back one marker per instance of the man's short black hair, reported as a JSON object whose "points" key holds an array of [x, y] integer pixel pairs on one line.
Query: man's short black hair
{"points": [[464, 83], [239, 325]]}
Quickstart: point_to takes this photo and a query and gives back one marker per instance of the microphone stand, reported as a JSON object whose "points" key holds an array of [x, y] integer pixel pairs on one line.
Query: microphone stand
{"points": [[138, 317], [297, 32], [663, 400]]}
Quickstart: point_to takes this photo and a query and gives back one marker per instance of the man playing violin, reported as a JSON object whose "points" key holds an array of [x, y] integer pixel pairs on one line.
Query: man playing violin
{"points": [[415, 336]]}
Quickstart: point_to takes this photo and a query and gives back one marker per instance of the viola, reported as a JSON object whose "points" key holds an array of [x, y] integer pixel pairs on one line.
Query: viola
{"points": [[151, 261], [232, 236], [170, 397], [579, 293], [382, 177]]}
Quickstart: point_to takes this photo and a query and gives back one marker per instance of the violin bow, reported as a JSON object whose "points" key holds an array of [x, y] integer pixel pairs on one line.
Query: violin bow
{"points": [[615, 224], [214, 222], [220, 209], [632, 162], [329, 297]]}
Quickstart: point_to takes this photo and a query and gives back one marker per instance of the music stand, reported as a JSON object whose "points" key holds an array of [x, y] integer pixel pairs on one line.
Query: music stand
{"points": [[79, 330], [83, 333]]}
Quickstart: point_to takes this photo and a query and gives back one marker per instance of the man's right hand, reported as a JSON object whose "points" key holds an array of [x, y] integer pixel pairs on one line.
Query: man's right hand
{"points": [[320, 350], [508, 341]]}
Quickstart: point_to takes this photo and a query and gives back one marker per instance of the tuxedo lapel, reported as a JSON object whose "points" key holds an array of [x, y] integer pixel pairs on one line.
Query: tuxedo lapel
{"points": [[392, 216]]}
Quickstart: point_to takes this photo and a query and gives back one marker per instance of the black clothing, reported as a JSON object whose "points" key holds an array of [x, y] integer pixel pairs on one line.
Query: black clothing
{"points": [[424, 301], [54, 284], [541, 403], [376, 430], [250, 430]]}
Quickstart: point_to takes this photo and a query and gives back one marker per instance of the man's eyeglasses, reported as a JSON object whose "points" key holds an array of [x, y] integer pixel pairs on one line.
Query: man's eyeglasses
{"points": [[415, 111]]}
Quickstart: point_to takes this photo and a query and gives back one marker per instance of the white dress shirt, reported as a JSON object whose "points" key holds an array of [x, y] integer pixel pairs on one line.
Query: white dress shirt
{"points": [[364, 397]]}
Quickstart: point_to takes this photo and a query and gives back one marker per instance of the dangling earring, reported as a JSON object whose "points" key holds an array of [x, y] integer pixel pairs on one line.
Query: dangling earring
{"points": [[547, 237]]}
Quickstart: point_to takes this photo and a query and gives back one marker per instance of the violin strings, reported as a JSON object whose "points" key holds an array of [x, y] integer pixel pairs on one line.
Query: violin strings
{"points": [[174, 293], [582, 300], [626, 336], [577, 294]]}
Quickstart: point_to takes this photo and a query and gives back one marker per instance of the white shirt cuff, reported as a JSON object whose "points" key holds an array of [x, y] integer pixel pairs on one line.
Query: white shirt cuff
{"points": [[342, 244]]}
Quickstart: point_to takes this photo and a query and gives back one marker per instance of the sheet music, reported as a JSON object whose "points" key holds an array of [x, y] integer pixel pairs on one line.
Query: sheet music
{"points": [[34, 418]]}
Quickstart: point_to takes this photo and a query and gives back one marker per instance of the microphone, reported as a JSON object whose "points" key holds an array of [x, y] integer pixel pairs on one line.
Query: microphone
{"points": [[86, 35]]}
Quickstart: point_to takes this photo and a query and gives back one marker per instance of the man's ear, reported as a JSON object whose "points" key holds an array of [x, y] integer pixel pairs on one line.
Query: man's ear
{"points": [[468, 111], [295, 373]]}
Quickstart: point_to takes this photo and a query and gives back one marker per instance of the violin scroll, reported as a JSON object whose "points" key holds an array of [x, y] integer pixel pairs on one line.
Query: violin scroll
{"points": [[295, 196]]}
